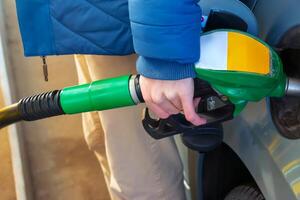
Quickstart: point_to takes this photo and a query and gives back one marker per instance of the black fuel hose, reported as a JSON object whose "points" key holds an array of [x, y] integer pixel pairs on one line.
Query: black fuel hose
{"points": [[32, 108]]}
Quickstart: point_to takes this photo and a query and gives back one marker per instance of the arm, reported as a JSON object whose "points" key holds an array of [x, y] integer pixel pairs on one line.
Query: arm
{"points": [[166, 35]]}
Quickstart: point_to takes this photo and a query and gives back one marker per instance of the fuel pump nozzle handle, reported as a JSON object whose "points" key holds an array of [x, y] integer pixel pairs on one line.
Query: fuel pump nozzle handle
{"points": [[213, 107]]}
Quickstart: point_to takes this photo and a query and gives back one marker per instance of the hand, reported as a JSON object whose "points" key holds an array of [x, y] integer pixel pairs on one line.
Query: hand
{"points": [[166, 97]]}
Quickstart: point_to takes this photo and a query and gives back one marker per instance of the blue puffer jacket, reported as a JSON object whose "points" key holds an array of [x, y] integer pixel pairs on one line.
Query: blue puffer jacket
{"points": [[164, 33]]}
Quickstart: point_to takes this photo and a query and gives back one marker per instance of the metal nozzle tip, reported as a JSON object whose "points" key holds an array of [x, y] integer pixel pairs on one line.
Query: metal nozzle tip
{"points": [[293, 87]]}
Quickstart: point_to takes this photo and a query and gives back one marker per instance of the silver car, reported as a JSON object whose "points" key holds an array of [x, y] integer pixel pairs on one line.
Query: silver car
{"points": [[260, 154]]}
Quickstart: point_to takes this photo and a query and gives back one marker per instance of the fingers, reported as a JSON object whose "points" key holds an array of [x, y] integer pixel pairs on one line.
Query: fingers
{"points": [[166, 98], [159, 112], [175, 101], [162, 105], [196, 102], [189, 111], [169, 107]]}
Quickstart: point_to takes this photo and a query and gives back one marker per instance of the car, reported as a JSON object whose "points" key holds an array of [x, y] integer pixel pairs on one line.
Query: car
{"points": [[259, 157]]}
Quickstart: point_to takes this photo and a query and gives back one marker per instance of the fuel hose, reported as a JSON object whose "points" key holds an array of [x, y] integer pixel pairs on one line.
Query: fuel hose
{"points": [[96, 96]]}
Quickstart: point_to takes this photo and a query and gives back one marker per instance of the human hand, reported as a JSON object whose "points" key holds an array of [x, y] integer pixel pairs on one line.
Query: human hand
{"points": [[169, 97]]}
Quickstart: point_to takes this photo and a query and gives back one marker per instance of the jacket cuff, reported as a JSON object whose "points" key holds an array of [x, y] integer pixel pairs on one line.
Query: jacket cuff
{"points": [[164, 70]]}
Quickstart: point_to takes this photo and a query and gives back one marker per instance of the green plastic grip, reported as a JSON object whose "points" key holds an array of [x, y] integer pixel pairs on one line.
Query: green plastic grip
{"points": [[98, 95], [241, 87]]}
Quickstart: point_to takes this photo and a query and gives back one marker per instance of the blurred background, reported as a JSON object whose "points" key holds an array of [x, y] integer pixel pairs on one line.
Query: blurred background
{"points": [[48, 159]]}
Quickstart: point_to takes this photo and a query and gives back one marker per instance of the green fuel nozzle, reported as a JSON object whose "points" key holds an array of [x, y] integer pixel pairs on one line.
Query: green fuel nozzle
{"points": [[234, 68], [241, 67]]}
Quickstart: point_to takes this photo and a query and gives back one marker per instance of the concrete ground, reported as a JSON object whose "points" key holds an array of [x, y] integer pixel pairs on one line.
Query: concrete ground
{"points": [[61, 165]]}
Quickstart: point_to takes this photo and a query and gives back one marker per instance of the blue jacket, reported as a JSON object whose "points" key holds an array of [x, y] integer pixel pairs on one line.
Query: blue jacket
{"points": [[166, 34]]}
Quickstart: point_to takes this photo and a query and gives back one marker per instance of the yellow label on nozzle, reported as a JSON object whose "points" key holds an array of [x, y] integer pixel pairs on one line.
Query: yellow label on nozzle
{"points": [[234, 51], [247, 54]]}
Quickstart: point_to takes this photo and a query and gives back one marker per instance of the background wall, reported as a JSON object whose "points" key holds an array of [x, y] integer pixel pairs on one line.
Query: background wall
{"points": [[61, 166]]}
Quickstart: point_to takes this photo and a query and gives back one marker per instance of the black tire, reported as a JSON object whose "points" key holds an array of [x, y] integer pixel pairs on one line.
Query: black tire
{"points": [[245, 192]]}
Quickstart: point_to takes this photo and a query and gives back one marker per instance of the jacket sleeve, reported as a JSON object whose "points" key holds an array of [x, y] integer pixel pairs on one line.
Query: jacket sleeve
{"points": [[166, 35]]}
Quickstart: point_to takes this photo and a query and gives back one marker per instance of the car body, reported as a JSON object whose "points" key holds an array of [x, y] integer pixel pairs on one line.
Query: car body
{"points": [[264, 154]]}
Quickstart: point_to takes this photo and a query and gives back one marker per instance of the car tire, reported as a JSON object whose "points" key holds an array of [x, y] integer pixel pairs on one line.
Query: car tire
{"points": [[245, 192]]}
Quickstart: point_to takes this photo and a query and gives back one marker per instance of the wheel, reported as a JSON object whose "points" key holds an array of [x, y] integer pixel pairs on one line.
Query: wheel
{"points": [[245, 192]]}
